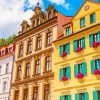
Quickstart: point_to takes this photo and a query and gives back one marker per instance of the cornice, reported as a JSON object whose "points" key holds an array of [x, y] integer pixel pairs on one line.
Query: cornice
{"points": [[37, 28]]}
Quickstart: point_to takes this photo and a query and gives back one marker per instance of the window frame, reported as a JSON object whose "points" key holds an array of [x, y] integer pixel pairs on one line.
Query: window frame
{"points": [[48, 38], [28, 70], [29, 48], [19, 72], [35, 93], [82, 22], [92, 16], [39, 43]]}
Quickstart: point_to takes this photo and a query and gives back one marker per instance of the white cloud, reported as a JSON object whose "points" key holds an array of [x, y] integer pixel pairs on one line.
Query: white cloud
{"points": [[61, 2], [11, 15]]}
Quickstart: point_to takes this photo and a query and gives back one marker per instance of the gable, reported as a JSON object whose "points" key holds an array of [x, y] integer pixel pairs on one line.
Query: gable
{"points": [[87, 8]]}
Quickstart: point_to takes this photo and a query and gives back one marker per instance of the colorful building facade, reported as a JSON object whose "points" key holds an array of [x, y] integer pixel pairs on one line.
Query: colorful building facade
{"points": [[33, 74], [6, 66], [77, 56]]}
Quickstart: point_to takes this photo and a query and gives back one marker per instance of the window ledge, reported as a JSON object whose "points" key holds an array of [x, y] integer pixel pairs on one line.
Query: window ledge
{"points": [[47, 45], [37, 49], [36, 74]]}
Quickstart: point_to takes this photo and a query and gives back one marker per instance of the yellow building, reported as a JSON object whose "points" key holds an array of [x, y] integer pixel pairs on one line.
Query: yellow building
{"points": [[77, 56], [33, 73]]}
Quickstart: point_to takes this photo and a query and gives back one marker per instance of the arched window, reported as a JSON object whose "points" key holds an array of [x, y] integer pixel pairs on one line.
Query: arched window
{"points": [[23, 29], [50, 15]]}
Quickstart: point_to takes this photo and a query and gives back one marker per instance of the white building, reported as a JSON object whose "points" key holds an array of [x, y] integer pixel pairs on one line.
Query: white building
{"points": [[6, 64]]}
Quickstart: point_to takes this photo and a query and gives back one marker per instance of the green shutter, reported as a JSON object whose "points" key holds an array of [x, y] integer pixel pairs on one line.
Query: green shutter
{"points": [[68, 72], [83, 42], [95, 96], [76, 96], [60, 50], [61, 74], [99, 36], [90, 39], [92, 66], [75, 45], [61, 97], [94, 17], [69, 97], [75, 70], [86, 96], [85, 68], [68, 48]]}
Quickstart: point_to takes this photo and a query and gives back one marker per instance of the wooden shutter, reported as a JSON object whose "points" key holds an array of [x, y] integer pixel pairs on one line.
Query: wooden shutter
{"points": [[86, 96], [95, 96], [61, 97], [83, 42], [90, 39], [75, 70], [76, 96], [68, 72], [68, 48], [60, 50], [92, 66], [85, 68], [75, 45], [61, 74]]}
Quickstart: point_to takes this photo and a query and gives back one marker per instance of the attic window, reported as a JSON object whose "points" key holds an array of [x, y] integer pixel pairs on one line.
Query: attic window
{"points": [[2, 52], [50, 15], [23, 29], [33, 23], [10, 49]]}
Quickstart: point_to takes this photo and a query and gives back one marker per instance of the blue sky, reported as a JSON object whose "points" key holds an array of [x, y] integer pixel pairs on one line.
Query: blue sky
{"points": [[14, 11]]}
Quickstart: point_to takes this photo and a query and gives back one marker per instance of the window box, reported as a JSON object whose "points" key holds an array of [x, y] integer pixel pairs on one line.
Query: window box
{"points": [[95, 44], [96, 72], [64, 78], [79, 49], [80, 75], [64, 54]]}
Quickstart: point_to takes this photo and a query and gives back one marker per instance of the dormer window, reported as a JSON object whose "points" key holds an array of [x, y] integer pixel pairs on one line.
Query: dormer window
{"points": [[10, 50], [23, 29], [33, 23], [50, 15], [2, 52]]}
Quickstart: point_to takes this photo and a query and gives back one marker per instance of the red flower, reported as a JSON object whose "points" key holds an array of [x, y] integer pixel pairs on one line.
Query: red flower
{"points": [[97, 72], [64, 54], [80, 75], [64, 78], [95, 44], [79, 49]]}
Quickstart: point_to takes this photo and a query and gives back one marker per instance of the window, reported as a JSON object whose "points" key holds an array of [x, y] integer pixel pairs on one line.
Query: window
{"points": [[4, 86], [38, 21], [21, 50], [7, 68], [48, 63], [82, 22], [95, 65], [49, 38], [79, 44], [29, 46], [33, 23], [81, 96], [37, 67], [50, 15], [92, 18], [96, 95], [25, 94], [10, 50], [0, 69], [65, 97], [35, 93], [39, 43], [64, 49], [2, 52], [68, 31], [96, 37], [47, 92], [16, 95], [80, 68], [65, 72], [28, 70], [19, 72]]}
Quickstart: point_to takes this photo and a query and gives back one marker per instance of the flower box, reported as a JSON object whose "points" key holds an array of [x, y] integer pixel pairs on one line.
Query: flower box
{"points": [[64, 78], [64, 54], [95, 44], [80, 75], [97, 72], [79, 49]]}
